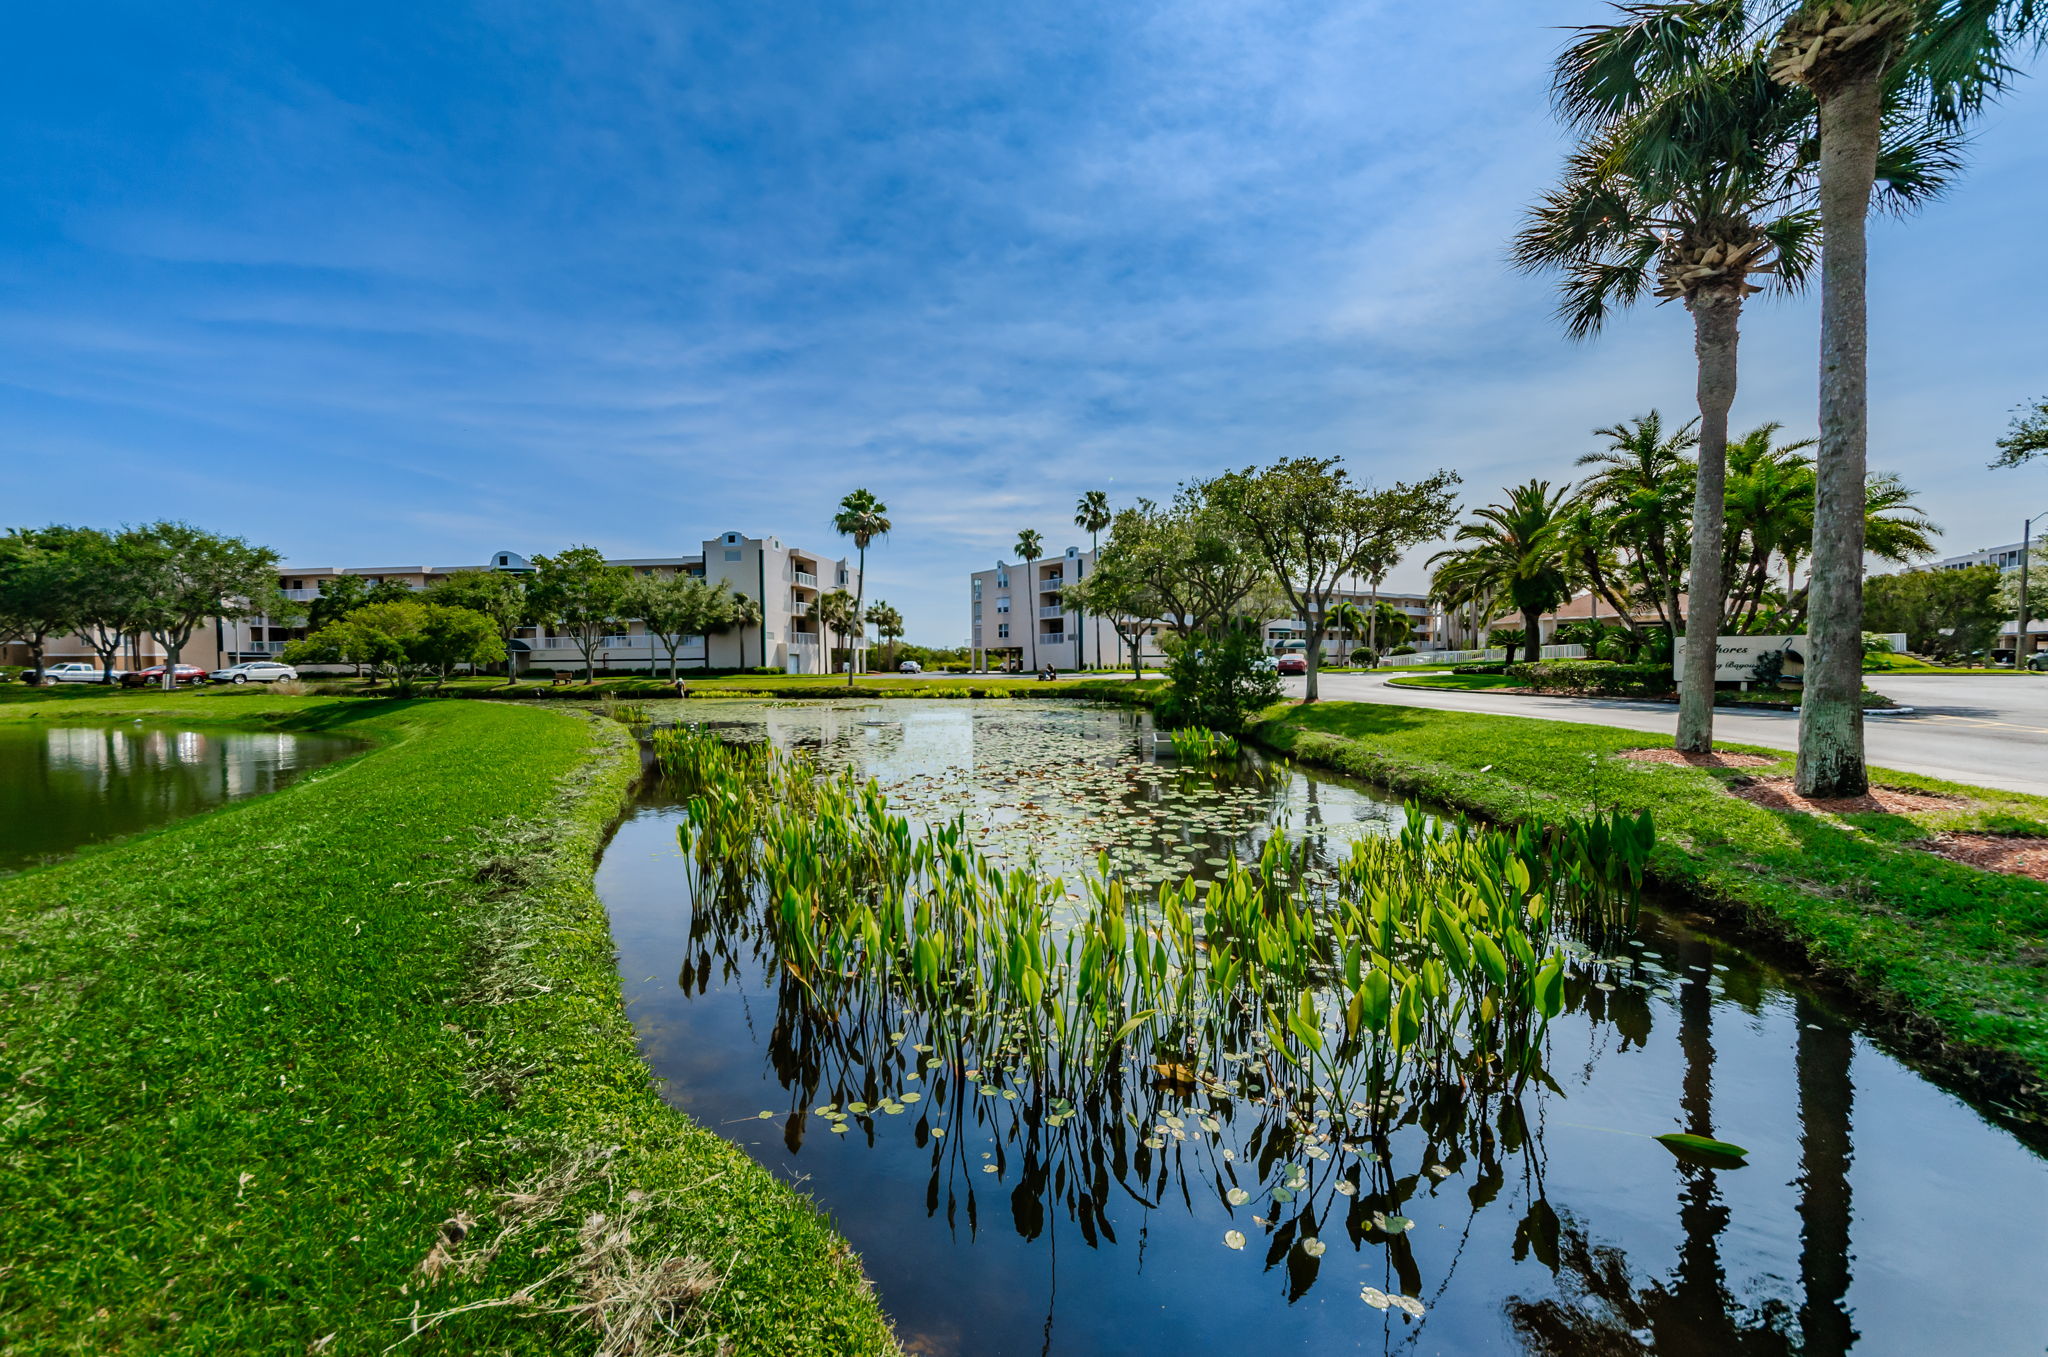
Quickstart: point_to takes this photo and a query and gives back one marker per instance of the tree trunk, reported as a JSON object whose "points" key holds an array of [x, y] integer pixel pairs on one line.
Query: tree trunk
{"points": [[1372, 626], [1716, 329], [1313, 654], [860, 614], [1532, 636], [1831, 708]]}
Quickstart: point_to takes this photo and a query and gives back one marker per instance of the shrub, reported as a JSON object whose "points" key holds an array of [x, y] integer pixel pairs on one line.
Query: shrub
{"points": [[1219, 682], [1595, 678], [1402, 650]]}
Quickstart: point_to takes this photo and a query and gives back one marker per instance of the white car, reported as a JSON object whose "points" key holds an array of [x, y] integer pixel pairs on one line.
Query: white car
{"points": [[73, 673], [910, 667], [254, 671]]}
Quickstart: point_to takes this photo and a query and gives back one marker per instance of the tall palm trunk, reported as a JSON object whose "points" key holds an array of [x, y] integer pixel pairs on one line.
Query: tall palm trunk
{"points": [[1716, 319], [1372, 625], [860, 614], [1831, 708], [1532, 636]]}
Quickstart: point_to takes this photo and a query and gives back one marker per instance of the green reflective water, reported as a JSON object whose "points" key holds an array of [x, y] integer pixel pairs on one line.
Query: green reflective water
{"points": [[65, 786]]}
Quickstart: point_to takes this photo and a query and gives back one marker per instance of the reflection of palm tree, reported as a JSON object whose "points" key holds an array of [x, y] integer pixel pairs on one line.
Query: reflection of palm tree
{"points": [[1825, 1096]]}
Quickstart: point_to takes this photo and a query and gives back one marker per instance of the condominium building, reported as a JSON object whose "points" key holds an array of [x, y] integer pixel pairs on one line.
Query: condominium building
{"points": [[1018, 612], [787, 581]]}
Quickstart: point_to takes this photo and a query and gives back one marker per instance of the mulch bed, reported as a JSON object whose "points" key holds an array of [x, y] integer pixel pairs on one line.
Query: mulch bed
{"points": [[1776, 793], [1698, 760], [2012, 854]]}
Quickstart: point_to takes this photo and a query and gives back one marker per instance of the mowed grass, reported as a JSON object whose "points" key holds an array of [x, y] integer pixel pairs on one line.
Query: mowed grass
{"points": [[1960, 954], [259, 1063], [1459, 682]]}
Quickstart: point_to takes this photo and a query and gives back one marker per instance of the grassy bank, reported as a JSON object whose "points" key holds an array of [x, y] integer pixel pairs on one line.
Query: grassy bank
{"points": [[318, 1069], [1957, 954]]}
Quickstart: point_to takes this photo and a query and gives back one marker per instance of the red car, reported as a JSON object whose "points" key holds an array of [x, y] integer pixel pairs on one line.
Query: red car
{"points": [[1292, 664], [141, 678]]}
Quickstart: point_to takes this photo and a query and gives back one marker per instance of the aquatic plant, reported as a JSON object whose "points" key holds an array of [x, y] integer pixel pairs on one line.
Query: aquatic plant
{"points": [[1194, 744]]}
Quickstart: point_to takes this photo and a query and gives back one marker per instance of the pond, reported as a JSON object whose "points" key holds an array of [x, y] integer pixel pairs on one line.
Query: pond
{"points": [[1874, 1211], [65, 786]]}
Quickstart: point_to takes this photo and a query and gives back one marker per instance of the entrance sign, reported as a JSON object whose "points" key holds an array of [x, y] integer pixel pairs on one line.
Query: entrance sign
{"points": [[1736, 657]]}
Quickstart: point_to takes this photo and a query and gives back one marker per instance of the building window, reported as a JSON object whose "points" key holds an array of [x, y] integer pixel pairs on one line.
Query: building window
{"points": [[1002, 628], [732, 555], [504, 560]]}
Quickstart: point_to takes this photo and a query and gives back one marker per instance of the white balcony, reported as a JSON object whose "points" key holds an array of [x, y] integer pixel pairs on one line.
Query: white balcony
{"points": [[260, 647], [1053, 610], [804, 578], [1051, 638], [799, 608], [805, 639], [300, 595], [1052, 584]]}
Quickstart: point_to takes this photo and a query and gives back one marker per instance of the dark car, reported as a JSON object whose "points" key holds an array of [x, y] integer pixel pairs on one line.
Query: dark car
{"points": [[1292, 664], [142, 678]]}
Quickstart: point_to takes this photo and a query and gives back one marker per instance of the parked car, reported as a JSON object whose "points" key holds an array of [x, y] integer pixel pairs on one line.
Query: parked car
{"points": [[72, 672], [142, 678], [1292, 664], [254, 671], [910, 667]]}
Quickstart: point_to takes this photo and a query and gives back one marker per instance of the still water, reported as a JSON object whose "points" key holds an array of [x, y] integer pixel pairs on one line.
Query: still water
{"points": [[1875, 1213], [65, 786]]}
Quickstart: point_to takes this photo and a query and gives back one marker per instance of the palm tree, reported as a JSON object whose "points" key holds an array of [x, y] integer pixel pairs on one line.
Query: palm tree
{"points": [[1091, 515], [840, 614], [1512, 548], [888, 624], [1030, 548], [1349, 618], [863, 518], [1862, 61], [1644, 483], [1700, 191]]}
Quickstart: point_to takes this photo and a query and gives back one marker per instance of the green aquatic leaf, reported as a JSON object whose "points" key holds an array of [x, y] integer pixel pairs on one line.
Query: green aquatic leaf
{"points": [[1680, 1140]]}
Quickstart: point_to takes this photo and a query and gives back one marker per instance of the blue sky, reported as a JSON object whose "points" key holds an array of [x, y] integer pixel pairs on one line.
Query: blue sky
{"points": [[377, 283]]}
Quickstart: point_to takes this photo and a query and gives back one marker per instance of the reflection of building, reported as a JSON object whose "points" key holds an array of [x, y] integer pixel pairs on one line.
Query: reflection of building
{"points": [[786, 581]]}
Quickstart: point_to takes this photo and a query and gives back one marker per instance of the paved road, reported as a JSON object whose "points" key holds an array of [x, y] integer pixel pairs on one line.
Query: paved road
{"points": [[1990, 731]]}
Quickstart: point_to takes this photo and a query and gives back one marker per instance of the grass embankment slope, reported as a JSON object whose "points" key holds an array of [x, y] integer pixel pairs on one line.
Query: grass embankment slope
{"points": [[1959, 954], [258, 1064]]}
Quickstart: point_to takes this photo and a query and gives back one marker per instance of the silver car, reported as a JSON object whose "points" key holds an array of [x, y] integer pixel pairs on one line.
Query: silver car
{"points": [[254, 671]]}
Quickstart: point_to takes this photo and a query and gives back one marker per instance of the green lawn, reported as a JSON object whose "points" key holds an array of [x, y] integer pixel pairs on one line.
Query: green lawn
{"points": [[1459, 682], [1955, 951], [254, 1060]]}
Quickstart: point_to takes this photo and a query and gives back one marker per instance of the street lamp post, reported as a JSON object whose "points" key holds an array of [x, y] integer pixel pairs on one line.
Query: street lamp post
{"points": [[2019, 639]]}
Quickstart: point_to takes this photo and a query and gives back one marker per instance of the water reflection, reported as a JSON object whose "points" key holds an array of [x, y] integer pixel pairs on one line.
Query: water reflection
{"points": [[1548, 1224], [64, 786]]}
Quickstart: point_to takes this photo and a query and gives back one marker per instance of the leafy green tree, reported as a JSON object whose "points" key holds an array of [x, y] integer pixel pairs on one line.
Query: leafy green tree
{"points": [[1512, 550], [2028, 437], [112, 596], [675, 608], [192, 576], [404, 641], [1349, 620], [863, 518], [1199, 569], [1948, 613], [1030, 549], [1120, 590], [1310, 524], [41, 584], [888, 625], [339, 596], [578, 591], [499, 595], [745, 612]]}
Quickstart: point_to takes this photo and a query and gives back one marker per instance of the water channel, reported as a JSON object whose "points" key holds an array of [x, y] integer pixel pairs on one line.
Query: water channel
{"points": [[64, 786], [1876, 1212]]}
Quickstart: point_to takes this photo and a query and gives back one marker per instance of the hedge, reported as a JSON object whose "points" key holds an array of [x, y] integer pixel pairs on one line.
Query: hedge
{"points": [[1594, 678]]}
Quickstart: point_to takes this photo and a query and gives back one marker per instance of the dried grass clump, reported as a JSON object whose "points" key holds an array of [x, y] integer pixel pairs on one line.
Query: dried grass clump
{"points": [[638, 1304]]}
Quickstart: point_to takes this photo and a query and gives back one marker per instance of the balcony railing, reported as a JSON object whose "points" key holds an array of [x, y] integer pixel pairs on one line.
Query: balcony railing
{"points": [[260, 647], [799, 608], [300, 595], [804, 578], [807, 640], [1051, 638], [603, 642], [1053, 610], [1051, 584]]}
